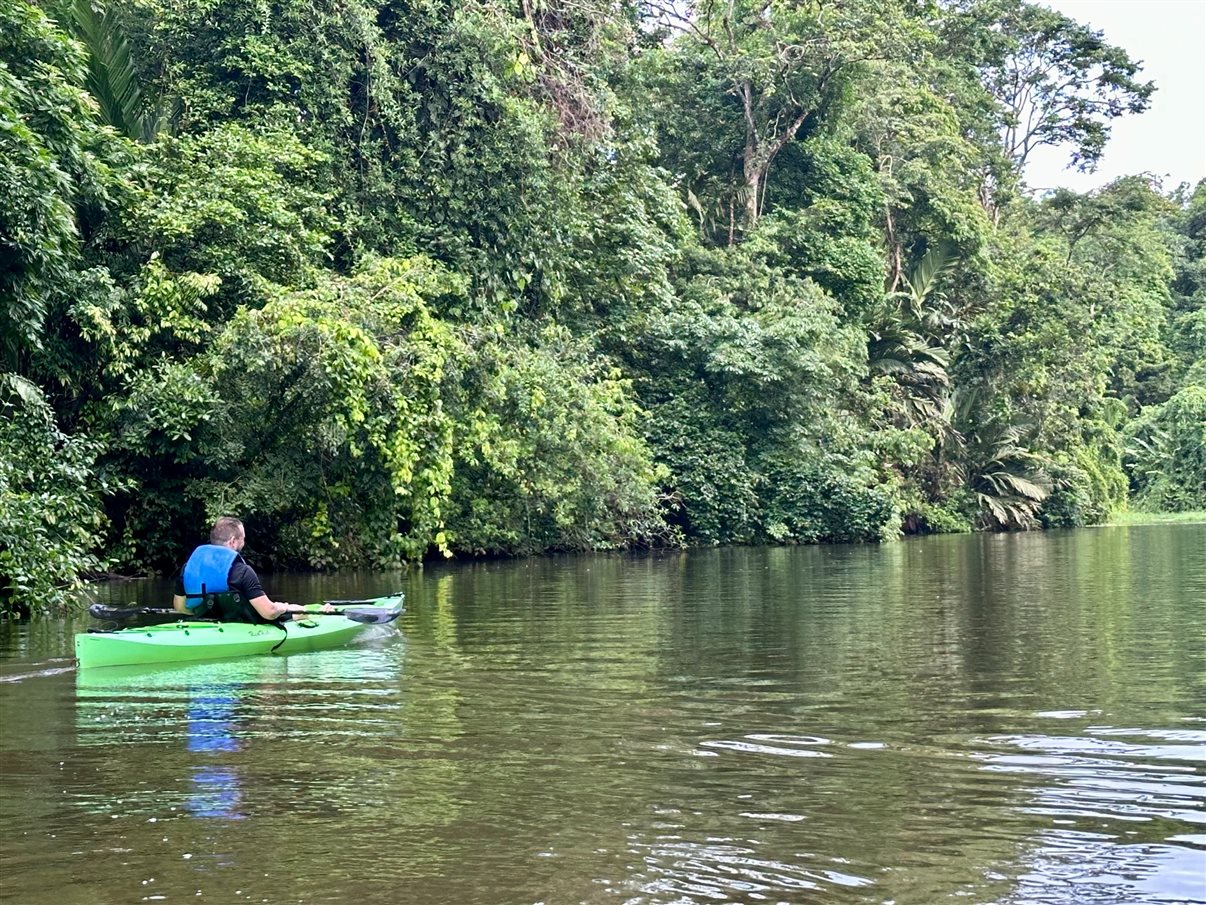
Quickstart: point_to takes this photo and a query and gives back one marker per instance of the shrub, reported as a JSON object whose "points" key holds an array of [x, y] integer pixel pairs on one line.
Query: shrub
{"points": [[50, 504]]}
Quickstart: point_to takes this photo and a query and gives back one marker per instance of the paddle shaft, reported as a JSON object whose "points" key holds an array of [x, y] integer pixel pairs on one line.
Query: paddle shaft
{"points": [[369, 600]]}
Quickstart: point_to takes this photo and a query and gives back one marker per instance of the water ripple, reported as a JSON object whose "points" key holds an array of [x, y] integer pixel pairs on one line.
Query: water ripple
{"points": [[1093, 869], [723, 869], [1099, 778], [785, 745]]}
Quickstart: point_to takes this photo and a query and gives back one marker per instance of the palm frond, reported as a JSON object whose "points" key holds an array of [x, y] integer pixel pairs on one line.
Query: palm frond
{"points": [[923, 277], [112, 78], [1028, 486], [935, 367]]}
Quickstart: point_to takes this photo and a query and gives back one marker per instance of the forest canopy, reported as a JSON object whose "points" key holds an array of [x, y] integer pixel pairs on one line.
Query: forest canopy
{"points": [[393, 280]]}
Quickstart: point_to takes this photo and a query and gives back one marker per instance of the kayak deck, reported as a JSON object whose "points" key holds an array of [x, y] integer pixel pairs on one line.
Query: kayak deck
{"points": [[190, 641]]}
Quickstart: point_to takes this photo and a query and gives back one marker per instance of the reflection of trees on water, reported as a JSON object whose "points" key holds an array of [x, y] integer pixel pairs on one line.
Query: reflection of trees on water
{"points": [[762, 725], [638, 687]]}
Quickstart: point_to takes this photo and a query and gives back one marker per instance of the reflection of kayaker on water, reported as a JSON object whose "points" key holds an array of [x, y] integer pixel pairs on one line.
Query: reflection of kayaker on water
{"points": [[217, 583], [210, 729]]}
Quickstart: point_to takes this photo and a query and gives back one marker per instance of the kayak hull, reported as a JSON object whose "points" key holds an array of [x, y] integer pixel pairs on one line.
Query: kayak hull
{"points": [[190, 641]]}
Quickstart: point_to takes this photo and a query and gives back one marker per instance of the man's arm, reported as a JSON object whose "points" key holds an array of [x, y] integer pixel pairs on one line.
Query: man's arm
{"points": [[179, 601], [270, 609], [244, 580]]}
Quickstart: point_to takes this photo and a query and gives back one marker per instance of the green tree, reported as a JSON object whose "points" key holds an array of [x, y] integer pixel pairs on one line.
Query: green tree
{"points": [[1166, 453], [55, 174], [550, 454], [208, 223], [907, 340], [50, 504], [770, 71], [917, 123], [1057, 82], [824, 224], [1068, 334], [1187, 315], [751, 382], [318, 415]]}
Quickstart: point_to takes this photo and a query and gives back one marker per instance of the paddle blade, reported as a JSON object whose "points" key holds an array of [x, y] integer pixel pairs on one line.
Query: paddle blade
{"points": [[370, 615]]}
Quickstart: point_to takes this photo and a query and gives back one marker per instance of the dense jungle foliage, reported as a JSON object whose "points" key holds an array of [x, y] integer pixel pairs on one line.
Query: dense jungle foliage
{"points": [[393, 279]]}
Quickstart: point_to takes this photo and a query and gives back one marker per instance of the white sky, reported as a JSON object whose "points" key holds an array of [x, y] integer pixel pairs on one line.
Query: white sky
{"points": [[1169, 38]]}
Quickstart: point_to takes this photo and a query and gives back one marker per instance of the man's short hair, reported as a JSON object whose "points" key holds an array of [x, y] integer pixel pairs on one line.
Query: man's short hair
{"points": [[225, 529]]}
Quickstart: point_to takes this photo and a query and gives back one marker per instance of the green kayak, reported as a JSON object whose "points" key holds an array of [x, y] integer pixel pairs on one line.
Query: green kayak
{"points": [[186, 641]]}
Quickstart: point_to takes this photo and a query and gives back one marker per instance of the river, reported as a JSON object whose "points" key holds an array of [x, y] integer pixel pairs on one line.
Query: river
{"points": [[973, 719]]}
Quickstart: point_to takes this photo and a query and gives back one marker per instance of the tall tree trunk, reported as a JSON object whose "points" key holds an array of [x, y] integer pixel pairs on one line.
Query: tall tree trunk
{"points": [[753, 180], [751, 158], [756, 161], [895, 253]]}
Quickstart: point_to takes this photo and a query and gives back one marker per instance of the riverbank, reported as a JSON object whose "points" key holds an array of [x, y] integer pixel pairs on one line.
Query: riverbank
{"points": [[1157, 518]]}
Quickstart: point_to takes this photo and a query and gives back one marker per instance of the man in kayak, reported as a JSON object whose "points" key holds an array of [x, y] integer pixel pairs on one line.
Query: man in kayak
{"points": [[217, 582]]}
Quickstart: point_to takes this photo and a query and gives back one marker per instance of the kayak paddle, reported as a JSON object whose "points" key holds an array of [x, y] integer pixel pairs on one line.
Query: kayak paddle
{"points": [[371, 615]]}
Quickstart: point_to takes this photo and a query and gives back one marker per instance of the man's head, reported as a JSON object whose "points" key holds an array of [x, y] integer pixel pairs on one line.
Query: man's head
{"points": [[227, 532]]}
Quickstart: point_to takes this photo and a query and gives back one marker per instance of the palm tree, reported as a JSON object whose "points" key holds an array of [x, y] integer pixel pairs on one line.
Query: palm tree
{"points": [[988, 454], [906, 340], [112, 77], [1009, 480]]}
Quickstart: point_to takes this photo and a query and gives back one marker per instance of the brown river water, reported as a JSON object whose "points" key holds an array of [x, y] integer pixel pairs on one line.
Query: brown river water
{"points": [[973, 719]]}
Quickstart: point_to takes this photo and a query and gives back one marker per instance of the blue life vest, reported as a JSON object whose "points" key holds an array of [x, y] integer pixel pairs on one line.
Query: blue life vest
{"points": [[206, 572]]}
